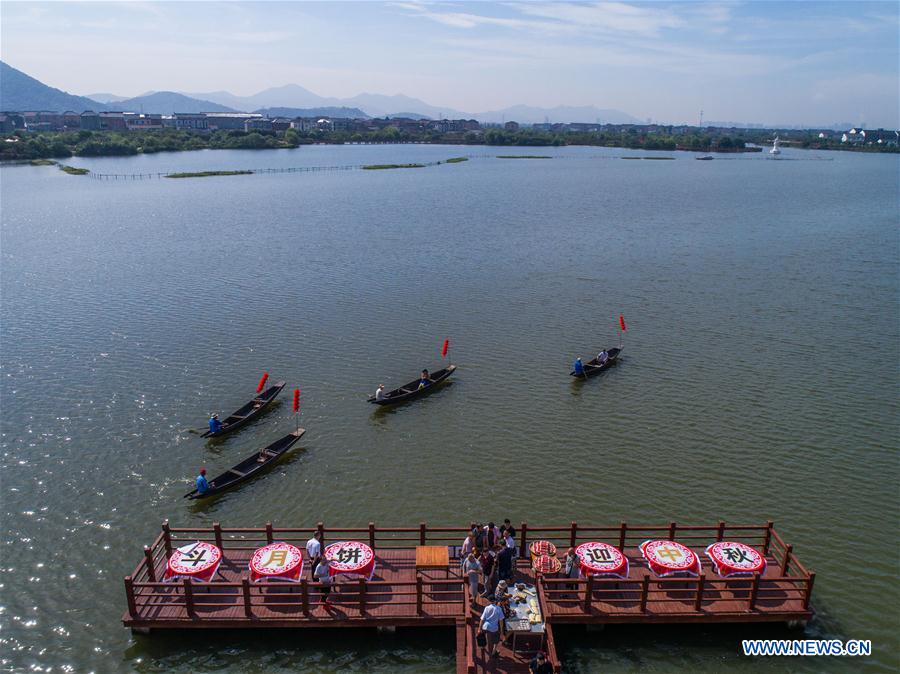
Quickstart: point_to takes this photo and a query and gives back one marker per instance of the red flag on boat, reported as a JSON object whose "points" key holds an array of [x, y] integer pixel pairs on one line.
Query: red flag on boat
{"points": [[296, 400], [622, 322], [446, 346], [262, 382]]}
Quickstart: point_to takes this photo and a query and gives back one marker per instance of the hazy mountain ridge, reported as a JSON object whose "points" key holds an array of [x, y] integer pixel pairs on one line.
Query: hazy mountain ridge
{"points": [[19, 91], [167, 103], [354, 113]]}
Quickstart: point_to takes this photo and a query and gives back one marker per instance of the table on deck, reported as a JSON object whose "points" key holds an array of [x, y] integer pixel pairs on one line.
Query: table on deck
{"points": [[518, 624], [433, 557]]}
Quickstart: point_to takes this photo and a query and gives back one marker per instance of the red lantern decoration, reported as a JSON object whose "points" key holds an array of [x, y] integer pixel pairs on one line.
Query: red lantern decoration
{"points": [[446, 347], [262, 382], [622, 322], [296, 400]]}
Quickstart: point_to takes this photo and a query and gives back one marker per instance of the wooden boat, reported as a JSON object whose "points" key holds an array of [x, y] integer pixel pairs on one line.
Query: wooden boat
{"points": [[250, 466], [248, 412], [412, 390], [591, 367], [708, 157]]}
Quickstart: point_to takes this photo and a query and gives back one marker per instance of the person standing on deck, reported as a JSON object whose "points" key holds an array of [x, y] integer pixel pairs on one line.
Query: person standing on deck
{"points": [[202, 484], [489, 569], [314, 552], [507, 528], [579, 367], [214, 424], [491, 620], [323, 575], [493, 535], [467, 546], [505, 563], [380, 394], [540, 664], [573, 567], [510, 542], [471, 569]]}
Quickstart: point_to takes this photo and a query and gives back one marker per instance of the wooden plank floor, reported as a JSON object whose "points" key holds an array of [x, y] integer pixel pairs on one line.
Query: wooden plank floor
{"points": [[217, 605], [776, 601]]}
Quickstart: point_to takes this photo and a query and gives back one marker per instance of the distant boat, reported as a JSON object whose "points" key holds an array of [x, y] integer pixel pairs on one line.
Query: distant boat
{"points": [[775, 149], [708, 157]]}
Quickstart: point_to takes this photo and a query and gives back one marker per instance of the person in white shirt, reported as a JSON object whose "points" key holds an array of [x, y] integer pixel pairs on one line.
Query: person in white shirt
{"points": [[511, 543], [602, 357], [471, 569], [314, 552], [379, 393], [323, 575]]}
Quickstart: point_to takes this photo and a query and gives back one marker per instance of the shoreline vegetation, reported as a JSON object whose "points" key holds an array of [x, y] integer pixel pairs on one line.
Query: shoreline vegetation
{"points": [[29, 145], [380, 167], [207, 174]]}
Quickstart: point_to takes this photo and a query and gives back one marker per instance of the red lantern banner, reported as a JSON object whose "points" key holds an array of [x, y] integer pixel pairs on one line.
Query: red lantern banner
{"points": [[735, 559], [262, 382], [622, 322], [277, 561], [198, 561], [601, 559], [352, 559], [445, 348], [668, 557], [296, 400]]}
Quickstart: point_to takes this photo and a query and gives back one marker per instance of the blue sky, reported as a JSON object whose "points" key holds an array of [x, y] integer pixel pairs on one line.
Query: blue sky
{"points": [[770, 62]]}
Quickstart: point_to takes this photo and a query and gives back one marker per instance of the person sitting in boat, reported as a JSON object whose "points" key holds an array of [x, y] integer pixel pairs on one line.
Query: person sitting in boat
{"points": [[379, 393], [214, 424], [602, 357], [202, 484], [579, 367], [425, 380]]}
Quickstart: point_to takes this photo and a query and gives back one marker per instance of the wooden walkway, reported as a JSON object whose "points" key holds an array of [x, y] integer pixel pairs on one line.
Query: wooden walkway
{"points": [[400, 595]]}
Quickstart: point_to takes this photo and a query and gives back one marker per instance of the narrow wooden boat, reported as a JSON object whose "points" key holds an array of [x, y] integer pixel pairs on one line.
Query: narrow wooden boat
{"points": [[412, 390], [248, 412], [250, 466], [591, 367]]}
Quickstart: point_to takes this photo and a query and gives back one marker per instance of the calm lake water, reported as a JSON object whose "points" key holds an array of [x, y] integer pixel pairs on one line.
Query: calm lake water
{"points": [[759, 379]]}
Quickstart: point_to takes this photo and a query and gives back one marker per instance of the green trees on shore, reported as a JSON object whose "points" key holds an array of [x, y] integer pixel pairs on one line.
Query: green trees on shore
{"points": [[50, 144]]}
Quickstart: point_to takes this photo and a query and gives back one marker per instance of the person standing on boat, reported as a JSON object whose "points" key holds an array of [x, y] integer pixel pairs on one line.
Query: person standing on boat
{"points": [[214, 424], [602, 357], [380, 394], [202, 484], [579, 367], [314, 552]]}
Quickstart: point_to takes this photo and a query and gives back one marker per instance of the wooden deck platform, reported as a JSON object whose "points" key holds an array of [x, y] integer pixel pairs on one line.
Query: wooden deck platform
{"points": [[400, 595]]}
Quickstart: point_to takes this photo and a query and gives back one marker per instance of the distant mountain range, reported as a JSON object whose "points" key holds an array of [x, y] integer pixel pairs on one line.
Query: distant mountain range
{"points": [[19, 91]]}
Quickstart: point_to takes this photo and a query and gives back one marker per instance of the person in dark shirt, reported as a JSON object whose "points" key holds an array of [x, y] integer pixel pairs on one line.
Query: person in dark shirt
{"points": [[505, 563], [540, 665]]}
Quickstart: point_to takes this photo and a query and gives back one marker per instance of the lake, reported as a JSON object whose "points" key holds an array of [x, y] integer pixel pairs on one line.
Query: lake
{"points": [[759, 378]]}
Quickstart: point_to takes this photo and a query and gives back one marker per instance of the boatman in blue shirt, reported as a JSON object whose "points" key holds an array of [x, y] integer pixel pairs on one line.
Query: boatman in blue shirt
{"points": [[202, 484], [214, 424], [579, 368]]}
